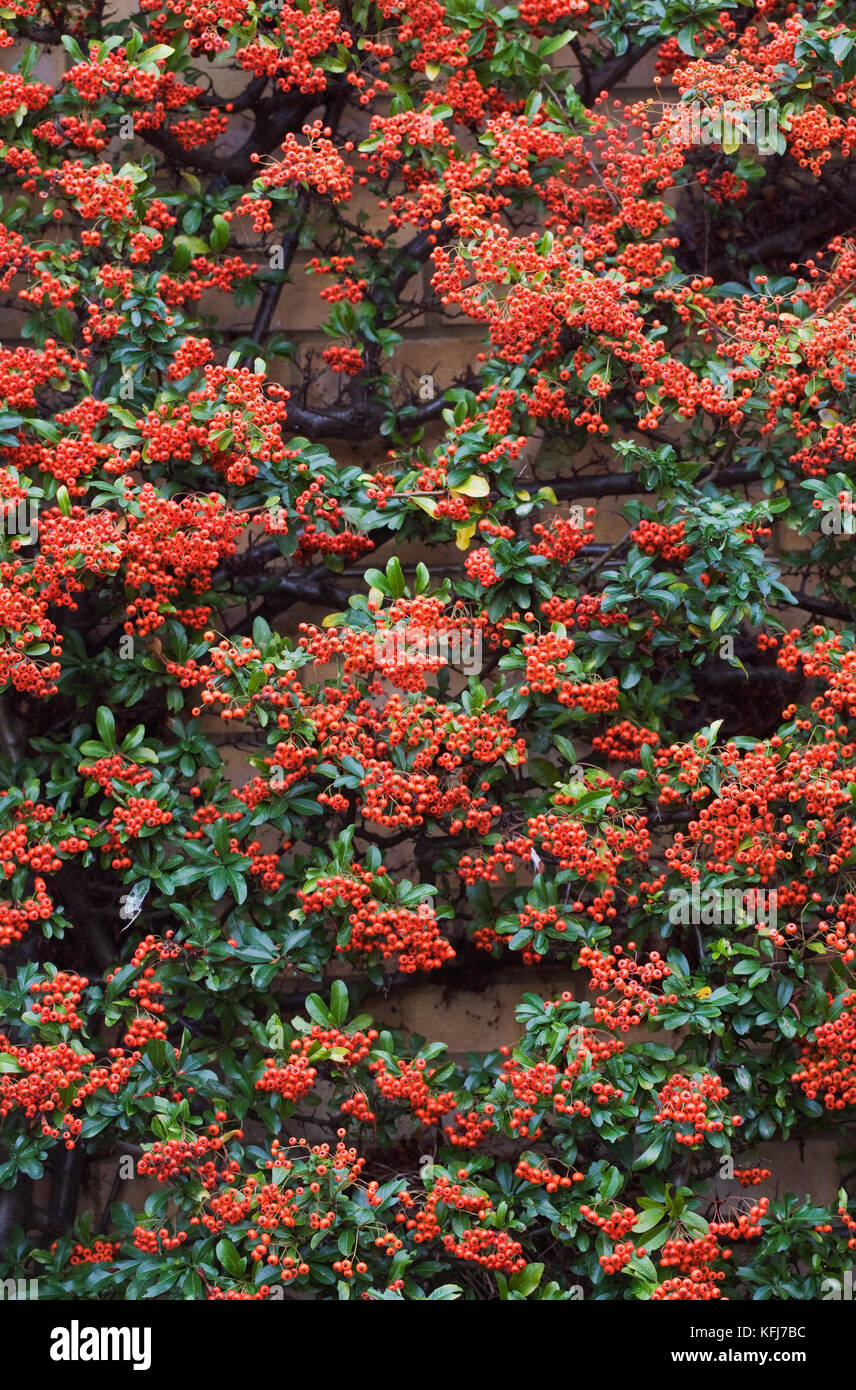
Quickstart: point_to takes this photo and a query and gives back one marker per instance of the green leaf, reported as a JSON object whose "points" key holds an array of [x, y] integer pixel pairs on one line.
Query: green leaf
{"points": [[218, 883], [64, 323], [651, 1154], [643, 1267], [555, 41], [156, 1053], [46, 429], [154, 55], [594, 801], [526, 1280], [73, 47], [232, 1262], [377, 580], [339, 1002], [395, 577], [106, 726], [318, 1011], [647, 1220], [693, 1222], [219, 233]]}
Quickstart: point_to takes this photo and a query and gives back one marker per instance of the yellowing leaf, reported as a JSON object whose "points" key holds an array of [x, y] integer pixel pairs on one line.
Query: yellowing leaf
{"points": [[473, 486], [465, 535], [427, 504]]}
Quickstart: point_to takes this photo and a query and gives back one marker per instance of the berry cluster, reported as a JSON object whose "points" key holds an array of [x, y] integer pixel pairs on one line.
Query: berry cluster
{"points": [[828, 1059], [666, 541], [752, 1177], [686, 1100]]}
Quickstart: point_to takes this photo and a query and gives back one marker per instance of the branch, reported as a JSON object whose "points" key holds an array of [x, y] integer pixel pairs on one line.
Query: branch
{"points": [[11, 742], [272, 291], [238, 169], [319, 591], [272, 124], [353, 422], [596, 79], [628, 484], [608, 552], [65, 1187], [584, 88], [248, 97], [824, 607]]}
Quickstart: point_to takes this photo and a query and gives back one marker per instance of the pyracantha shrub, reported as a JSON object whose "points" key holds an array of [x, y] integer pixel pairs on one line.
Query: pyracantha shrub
{"points": [[265, 770]]}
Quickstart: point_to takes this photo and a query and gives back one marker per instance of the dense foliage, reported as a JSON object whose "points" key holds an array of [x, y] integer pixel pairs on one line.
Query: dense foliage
{"points": [[246, 789]]}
